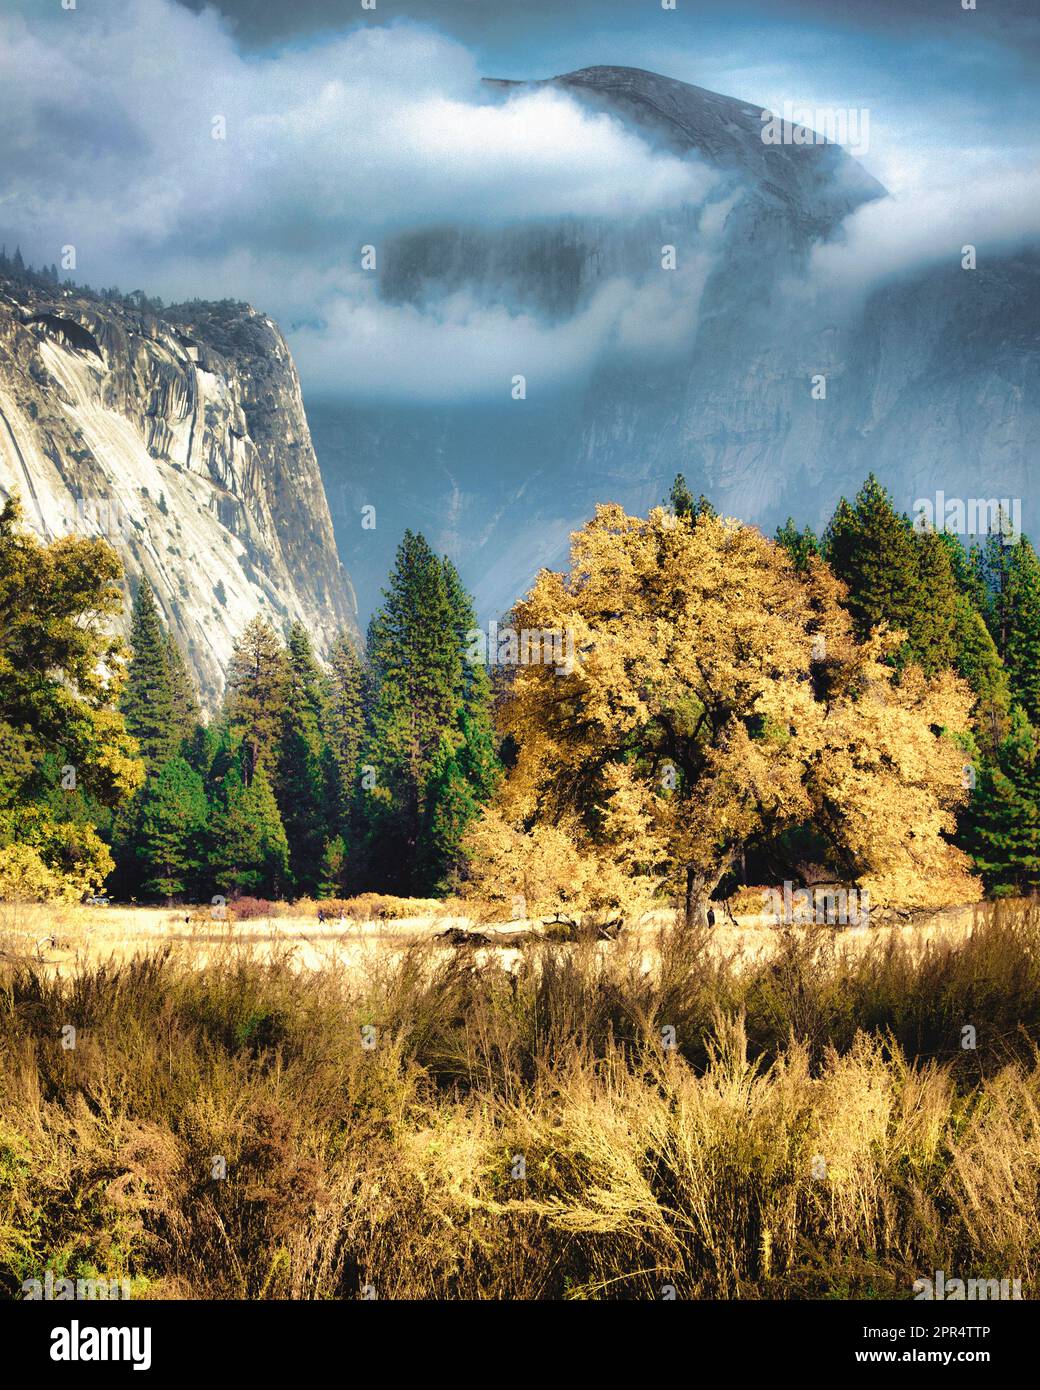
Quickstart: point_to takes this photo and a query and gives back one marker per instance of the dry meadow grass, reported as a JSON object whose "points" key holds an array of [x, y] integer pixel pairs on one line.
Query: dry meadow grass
{"points": [[444, 1122]]}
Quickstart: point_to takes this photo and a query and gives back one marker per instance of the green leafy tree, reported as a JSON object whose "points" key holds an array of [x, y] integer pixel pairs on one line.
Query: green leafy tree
{"points": [[61, 670], [66, 757]]}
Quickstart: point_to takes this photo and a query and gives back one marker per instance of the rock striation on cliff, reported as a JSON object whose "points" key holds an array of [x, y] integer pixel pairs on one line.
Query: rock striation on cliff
{"points": [[180, 437]]}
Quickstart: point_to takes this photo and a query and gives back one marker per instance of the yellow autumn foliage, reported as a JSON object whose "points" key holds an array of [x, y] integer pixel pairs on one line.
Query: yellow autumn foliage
{"points": [[719, 698]]}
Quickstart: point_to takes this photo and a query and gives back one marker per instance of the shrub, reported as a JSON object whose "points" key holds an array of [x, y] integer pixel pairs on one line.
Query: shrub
{"points": [[24, 877], [246, 909]]}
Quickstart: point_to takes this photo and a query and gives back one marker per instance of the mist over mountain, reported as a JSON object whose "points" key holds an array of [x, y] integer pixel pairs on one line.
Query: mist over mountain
{"points": [[712, 368], [580, 286]]}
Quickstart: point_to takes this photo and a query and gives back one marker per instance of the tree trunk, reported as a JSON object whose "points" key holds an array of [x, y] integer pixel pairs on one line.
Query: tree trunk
{"points": [[697, 894]]}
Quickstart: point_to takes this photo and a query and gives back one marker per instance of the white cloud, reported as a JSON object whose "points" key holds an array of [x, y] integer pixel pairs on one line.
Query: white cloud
{"points": [[327, 147], [992, 210], [113, 116], [459, 347]]}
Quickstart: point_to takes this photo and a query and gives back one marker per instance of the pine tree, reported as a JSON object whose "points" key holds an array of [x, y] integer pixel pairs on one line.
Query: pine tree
{"points": [[257, 687], [344, 729], [201, 749], [460, 784], [1023, 633], [299, 776], [171, 830], [992, 565], [416, 663], [464, 770], [147, 701], [474, 694], [894, 577], [872, 551], [933, 614], [683, 503], [333, 865], [249, 850], [1001, 826], [184, 699], [802, 546], [978, 663]]}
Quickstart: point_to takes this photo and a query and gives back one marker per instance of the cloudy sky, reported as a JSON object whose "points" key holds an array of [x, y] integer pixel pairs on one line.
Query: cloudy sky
{"points": [[342, 125]]}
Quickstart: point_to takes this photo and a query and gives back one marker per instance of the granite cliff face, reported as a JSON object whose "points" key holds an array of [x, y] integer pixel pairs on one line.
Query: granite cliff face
{"points": [[931, 379], [181, 438]]}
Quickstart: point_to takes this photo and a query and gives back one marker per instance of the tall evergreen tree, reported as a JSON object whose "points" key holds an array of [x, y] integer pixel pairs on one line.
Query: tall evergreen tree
{"points": [[465, 768], [977, 662], [991, 561], [249, 850], [344, 729], [1001, 827], [416, 663], [184, 698], [1022, 655], [474, 697], [894, 576], [933, 615], [871, 549], [300, 782], [171, 830], [147, 700], [333, 868], [257, 689], [683, 503]]}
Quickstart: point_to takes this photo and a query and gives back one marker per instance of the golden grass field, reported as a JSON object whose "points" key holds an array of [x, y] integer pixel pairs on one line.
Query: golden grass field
{"points": [[63, 938], [747, 1113]]}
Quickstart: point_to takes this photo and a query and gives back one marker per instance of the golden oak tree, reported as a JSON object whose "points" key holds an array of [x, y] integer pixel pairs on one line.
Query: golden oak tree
{"points": [[720, 697]]}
